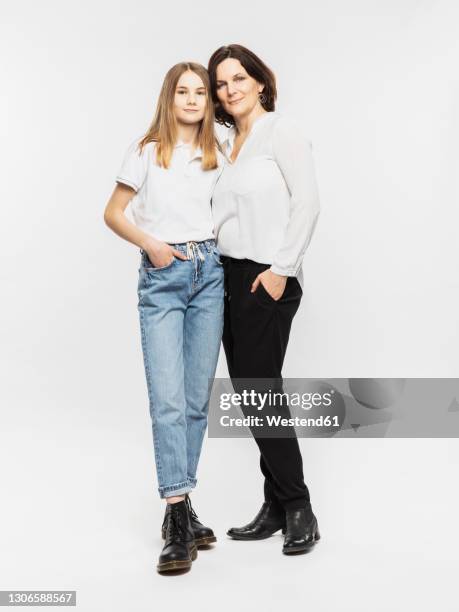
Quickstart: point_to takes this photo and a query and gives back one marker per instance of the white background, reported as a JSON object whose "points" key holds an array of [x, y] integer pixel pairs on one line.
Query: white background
{"points": [[375, 84]]}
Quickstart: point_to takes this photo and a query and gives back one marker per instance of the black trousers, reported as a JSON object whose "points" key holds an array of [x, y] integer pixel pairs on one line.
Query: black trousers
{"points": [[255, 339]]}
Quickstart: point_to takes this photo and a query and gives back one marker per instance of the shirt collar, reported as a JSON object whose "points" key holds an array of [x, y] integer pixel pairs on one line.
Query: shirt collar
{"points": [[231, 134], [197, 152]]}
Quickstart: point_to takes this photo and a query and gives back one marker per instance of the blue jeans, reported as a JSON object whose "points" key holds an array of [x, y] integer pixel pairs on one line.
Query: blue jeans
{"points": [[181, 322]]}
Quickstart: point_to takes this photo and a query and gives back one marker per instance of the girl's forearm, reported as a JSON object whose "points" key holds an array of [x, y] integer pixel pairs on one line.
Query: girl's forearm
{"points": [[120, 224]]}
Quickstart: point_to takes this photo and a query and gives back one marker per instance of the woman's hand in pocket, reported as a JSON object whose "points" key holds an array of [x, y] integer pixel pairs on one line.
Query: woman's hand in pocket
{"points": [[273, 283]]}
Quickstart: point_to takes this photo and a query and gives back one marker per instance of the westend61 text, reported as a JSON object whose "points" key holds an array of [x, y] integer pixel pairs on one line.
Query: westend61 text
{"points": [[277, 421]]}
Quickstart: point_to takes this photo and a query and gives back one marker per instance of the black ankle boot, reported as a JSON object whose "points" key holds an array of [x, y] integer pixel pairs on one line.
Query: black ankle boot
{"points": [[270, 519], [179, 548], [202, 535], [302, 531]]}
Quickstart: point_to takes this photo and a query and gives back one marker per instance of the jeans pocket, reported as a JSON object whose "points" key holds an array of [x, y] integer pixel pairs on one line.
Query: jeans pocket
{"points": [[148, 267]]}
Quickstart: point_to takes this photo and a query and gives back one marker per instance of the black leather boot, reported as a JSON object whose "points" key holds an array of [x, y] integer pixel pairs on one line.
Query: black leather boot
{"points": [[179, 548], [202, 535], [269, 519], [302, 531]]}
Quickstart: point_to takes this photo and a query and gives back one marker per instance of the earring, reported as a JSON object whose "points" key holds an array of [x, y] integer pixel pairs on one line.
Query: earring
{"points": [[262, 97]]}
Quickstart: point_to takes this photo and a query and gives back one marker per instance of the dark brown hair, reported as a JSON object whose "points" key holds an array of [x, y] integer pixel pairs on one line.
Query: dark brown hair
{"points": [[253, 65]]}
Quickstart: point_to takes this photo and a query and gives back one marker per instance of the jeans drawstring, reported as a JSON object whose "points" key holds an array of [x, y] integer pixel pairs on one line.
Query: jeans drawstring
{"points": [[193, 252]]}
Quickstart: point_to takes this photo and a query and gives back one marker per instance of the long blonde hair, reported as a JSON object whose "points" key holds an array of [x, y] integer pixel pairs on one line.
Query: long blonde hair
{"points": [[163, 129]]}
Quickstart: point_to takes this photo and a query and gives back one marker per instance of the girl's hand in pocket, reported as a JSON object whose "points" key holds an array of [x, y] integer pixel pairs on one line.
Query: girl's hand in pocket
{"points": [[162, 254]]}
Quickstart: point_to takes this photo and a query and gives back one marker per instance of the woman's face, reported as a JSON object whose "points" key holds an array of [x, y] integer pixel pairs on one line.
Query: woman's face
{"points": [[190, 98], [237, 91]]}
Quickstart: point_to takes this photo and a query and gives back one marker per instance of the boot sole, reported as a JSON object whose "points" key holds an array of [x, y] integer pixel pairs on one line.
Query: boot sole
{"points": [[237, 536], [303, 548], [170, 566], [199, 541], [205, 541]]}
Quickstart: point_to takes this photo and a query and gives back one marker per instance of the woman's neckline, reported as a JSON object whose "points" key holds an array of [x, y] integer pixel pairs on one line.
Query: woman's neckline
{"points": [[232, 135]]}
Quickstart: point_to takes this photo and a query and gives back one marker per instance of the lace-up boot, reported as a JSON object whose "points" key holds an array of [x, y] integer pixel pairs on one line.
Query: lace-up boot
{"points": [[179, 547]]}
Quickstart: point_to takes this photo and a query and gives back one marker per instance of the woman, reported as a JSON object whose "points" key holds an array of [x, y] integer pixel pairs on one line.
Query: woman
{"points": [[265, 208], [170, 175]]}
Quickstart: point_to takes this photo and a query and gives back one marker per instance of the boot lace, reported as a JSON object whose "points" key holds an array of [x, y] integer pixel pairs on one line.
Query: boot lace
{"points": [[190, 508], [175, 527]]}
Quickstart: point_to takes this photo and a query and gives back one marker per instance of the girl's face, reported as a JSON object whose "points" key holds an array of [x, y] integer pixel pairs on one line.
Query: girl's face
{"points": [[237, 91], [190, 98]]}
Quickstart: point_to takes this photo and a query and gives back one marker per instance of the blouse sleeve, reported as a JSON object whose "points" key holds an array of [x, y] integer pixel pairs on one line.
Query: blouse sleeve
{"points": [[133, 170], [293, 154]]}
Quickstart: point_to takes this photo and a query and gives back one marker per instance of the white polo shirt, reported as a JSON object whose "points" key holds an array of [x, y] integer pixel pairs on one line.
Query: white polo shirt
{"points": [[266, 204], [171, 204]]}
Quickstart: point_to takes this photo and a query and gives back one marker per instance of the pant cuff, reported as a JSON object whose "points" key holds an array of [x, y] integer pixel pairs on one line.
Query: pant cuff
{"points": [[273, 499], [177, 489]]}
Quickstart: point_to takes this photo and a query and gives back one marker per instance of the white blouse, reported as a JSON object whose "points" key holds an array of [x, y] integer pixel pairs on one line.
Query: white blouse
{"points": [[265, 205], [171, 204]]}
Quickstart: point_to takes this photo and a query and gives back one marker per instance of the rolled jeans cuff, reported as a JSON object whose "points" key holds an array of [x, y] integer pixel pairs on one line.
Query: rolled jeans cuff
{"points": [[177, 489]]}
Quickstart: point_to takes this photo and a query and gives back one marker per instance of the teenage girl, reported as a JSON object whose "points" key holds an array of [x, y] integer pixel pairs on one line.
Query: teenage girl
{"points": [[169, 176]]}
